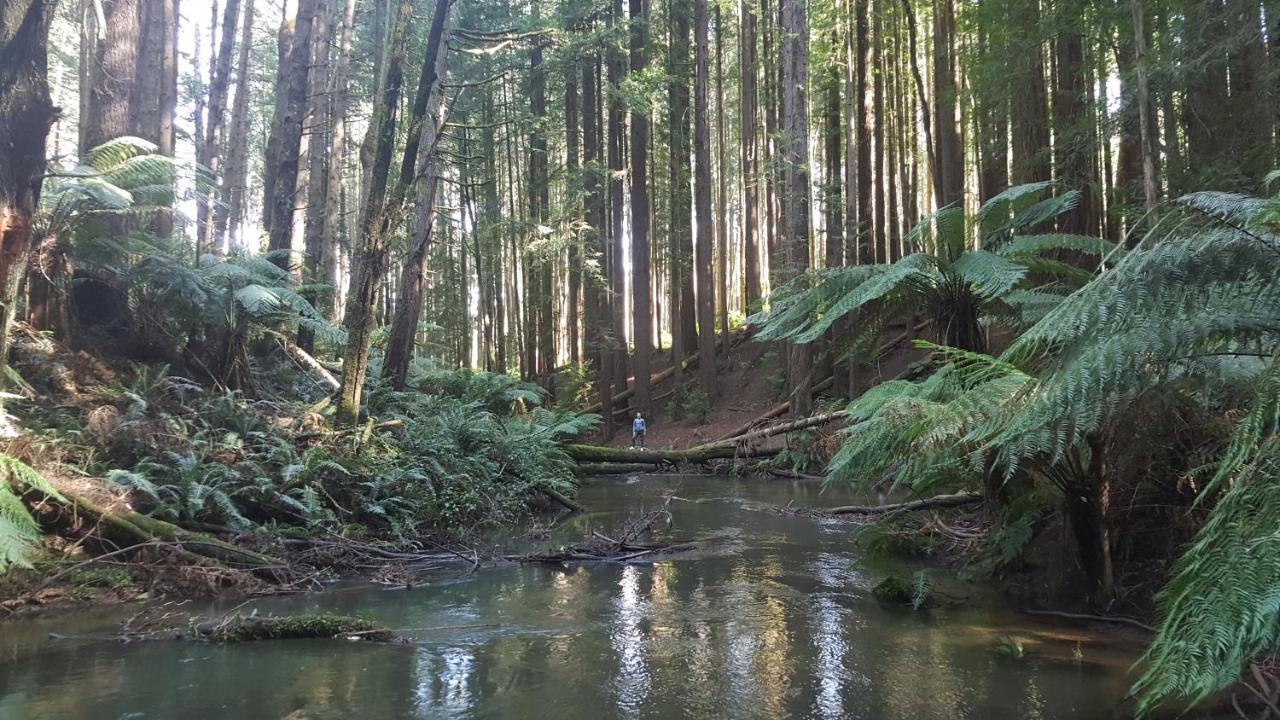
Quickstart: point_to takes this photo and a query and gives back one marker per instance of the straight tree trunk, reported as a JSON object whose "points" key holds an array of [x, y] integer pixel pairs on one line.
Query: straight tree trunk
{"points": [[617, 68], [795, 130], [1075, 142], [865, 217], [229, 216], [340, 93], [284, 144], [705, 247], [316, 123], [596, 243], [571, 141], [212, 149], [949, 153], [680, 238], [642, 312], [722, 191], [1030, 129], [750, 161]]}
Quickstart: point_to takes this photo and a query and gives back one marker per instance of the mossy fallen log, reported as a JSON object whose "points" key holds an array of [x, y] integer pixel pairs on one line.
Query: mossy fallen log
{"points": [[694, 456], [124, 527], [240, 628]]}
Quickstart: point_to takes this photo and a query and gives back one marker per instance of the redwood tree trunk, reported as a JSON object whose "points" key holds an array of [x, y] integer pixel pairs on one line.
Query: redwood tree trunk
{"points": [[795, 159], [229, 215], [211, 150], [750, 162], [642, 312], [702, 199], [26, 114]]}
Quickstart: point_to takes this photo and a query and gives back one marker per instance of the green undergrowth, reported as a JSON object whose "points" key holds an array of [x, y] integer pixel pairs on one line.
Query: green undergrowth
{"points": [[458, 452]]}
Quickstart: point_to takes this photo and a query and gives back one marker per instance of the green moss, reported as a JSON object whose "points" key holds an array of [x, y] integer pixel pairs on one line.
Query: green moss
{"points": [[310, 625]]}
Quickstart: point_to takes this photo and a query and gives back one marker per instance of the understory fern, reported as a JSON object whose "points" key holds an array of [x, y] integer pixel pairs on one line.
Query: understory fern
{"points": [[18, 530]]}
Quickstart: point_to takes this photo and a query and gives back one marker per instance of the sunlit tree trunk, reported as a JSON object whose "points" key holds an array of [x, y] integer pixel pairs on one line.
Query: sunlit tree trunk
{"points": [[642, 312], [212, 150], [284, 143], [229, 216]]}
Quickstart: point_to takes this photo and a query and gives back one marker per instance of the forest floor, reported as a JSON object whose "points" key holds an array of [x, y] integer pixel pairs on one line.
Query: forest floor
{"points": [[750, 379]]}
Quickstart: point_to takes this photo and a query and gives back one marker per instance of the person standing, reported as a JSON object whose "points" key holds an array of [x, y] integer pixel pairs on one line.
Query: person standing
{"points": [[638, 427]]}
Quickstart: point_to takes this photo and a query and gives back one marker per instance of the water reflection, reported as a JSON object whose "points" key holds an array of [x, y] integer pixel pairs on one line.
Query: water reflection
{"points": [[632, 681], [770, 620]]}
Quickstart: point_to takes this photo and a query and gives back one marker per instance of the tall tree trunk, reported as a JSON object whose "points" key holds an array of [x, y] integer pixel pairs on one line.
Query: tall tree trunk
{"points": [[1075, 142], [596, 245], [949, 153], [795, 160], [316, 123], [1146, 116], [229, 216], [212, 150], [706, 262], [750, 160], [420, 170], [284, 144], [369, 262], [680, 238], [862, 112], [542, 287], [26, 116], [1030, 129], [722, 190], [571, 142], [340, 94], [617, 68], [113, 75], [642, 312]]}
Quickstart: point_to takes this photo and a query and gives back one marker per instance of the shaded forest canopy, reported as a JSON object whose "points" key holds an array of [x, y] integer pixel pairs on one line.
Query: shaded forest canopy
{"points": [[344, 228]]}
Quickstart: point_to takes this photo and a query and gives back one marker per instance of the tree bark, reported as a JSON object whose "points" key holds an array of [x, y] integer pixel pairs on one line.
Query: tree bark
{"points": [[702, 144], [795, 159], [422, 171], [680, 257], [229, 216], [284, 144], [319, 152], [642, 312], [370, 264], [26, 116], [750, 161], [212, 150]]}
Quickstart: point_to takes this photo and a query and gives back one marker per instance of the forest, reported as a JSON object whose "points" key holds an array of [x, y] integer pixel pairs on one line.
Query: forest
{"points": [[295, 289]]}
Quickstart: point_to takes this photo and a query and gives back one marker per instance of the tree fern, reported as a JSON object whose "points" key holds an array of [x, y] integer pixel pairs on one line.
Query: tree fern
{"points": [[18, 530]]}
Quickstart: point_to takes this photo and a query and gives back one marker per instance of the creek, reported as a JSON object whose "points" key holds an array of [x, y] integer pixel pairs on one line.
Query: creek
{"points": [[771, 616]]}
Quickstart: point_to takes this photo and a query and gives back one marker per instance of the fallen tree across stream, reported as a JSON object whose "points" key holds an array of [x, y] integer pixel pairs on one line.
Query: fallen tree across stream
{"points": [[692, 456]]}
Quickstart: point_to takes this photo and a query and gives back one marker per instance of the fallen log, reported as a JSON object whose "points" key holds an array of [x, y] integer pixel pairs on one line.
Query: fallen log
{"points": [[127, 527], [562, 500], [654, 379], [931, 503], [784, 407], [778, 410], [794, 425], [305, 359], [695, 456]]}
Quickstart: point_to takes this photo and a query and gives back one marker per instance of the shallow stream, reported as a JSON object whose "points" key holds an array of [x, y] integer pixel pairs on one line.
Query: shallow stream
{"points": [[770, 617]]}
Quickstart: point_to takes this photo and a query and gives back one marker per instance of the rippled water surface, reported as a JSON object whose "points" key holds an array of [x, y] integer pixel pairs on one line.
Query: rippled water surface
{"points": [[771, 617]]}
